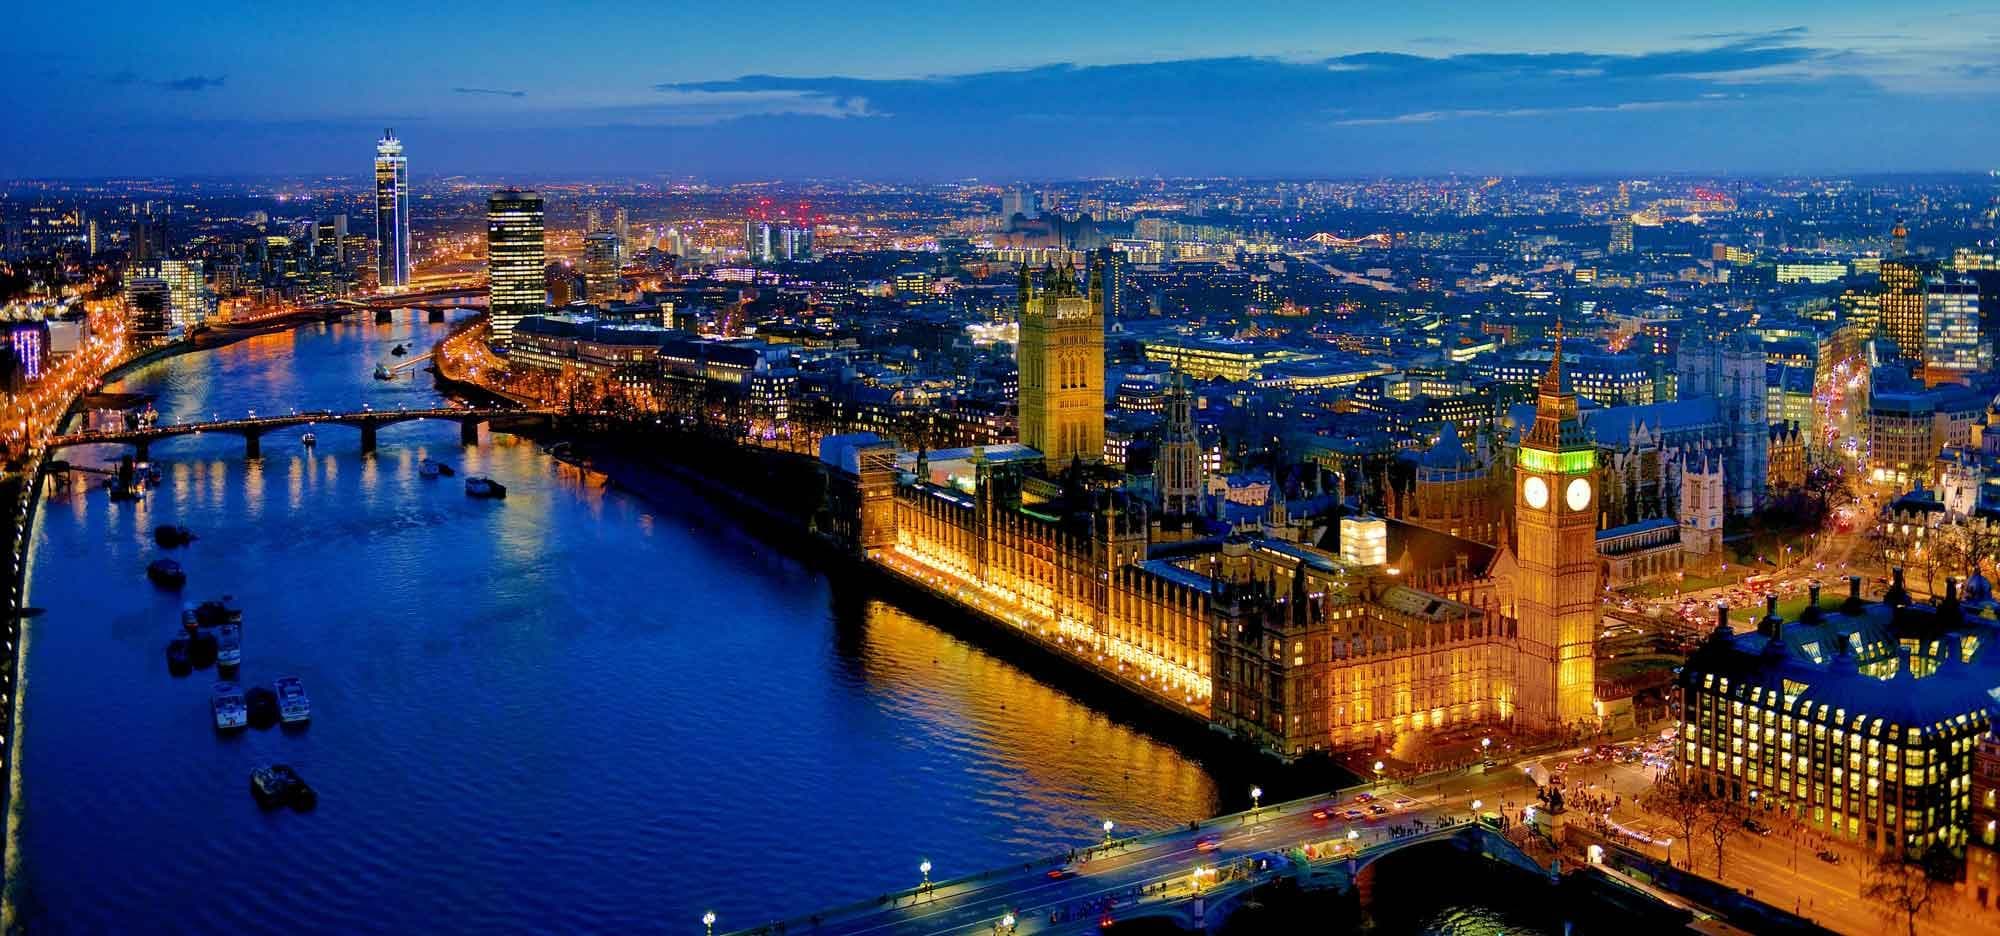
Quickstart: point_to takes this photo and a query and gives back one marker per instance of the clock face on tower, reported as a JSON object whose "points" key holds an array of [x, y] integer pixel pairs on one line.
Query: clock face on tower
{"points": [[1536, 491], [1578, 494]]}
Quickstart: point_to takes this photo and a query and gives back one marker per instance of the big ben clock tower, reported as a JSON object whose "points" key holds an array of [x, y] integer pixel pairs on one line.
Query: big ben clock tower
{"points": [[1555, 516]]}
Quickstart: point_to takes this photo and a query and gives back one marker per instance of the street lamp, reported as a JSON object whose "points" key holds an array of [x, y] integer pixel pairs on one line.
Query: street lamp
{"points": [[1007, 922], [1256, 794], [708, 920], [1108, 826], [1378, 774], [925, 867], [1475, 809]]}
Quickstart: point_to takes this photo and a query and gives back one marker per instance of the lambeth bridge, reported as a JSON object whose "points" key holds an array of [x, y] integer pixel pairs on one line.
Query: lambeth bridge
{"points": [[1191, 877], [253, 428]]}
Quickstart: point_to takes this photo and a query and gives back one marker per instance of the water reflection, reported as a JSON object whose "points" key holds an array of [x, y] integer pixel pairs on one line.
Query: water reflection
{"points": [[572, 710]]}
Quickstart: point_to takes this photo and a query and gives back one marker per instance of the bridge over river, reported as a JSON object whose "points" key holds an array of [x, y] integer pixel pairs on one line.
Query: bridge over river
{"points": [[1195, 876], [253, 428]]}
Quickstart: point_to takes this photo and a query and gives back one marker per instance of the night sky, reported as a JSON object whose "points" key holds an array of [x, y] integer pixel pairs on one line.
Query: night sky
{"points": [[1019, 90]]}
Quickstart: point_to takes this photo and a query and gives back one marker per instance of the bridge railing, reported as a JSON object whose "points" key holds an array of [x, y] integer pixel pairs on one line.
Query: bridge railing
{"points": [[1057, 860]]}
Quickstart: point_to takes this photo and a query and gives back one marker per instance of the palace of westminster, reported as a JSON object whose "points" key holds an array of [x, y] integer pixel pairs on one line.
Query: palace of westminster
{"points": [[1299, 635]]}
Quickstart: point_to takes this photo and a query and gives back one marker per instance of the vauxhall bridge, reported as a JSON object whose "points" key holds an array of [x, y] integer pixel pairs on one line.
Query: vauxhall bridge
{"points": [[253, 428]]}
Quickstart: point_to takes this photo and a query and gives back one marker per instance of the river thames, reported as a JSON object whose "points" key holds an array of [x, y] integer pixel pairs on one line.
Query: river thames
{"points": [[570, 711]]}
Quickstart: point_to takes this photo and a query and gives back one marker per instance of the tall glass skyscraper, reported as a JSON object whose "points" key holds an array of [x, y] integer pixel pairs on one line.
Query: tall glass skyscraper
{"points": [[514, 260], [392, 212]]}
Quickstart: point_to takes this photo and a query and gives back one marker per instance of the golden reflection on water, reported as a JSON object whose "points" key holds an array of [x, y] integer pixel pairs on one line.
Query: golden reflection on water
{"points": [[1059, 747]]}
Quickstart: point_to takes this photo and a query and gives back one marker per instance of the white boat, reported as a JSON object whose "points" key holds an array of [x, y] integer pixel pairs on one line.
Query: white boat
{"points": [[229, 645], [293, 706], [226, 701], [309, 440]]}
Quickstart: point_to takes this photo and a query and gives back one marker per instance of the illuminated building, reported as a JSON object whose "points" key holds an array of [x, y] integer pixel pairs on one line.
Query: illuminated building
{"points": [[1019, 201], [1817, 271], [774, 234], [1454, 492], [1061, 362], [1901, 307], [1902, 436], [514, 261], [1953, 347], [1555, 515], [1621, 221], [1364, 541], [1280, 643], [1181, 475], [1788, 457], [602, 267], [1862, 308], [1732, 374], [1228, 359], [1292, 644], [1109, 272], [392, 213], [1701, 508], [1860, 721], [149, 238]]}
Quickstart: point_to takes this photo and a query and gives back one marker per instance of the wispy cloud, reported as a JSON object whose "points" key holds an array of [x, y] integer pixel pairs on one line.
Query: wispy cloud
{"points": [[193, 83], [497, 92], [1360, 88]]}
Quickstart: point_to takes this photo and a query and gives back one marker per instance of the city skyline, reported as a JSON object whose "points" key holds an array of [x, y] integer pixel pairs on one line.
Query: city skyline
{"points": [[837, 94]]}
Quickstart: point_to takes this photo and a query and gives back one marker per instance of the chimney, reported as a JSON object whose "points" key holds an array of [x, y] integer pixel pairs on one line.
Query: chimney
{"points": [[1896, 596], [1722, 617], [1771, 622], [1854, 604], [1812, 613]]}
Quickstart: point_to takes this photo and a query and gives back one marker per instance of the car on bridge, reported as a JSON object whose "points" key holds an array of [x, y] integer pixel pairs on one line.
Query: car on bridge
{"points": [[1208, 843]]}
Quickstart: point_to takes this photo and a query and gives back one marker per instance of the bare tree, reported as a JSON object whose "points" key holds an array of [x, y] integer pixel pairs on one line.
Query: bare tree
{"points": [[1949, 548], [1722, 819], [1681, 803], [1902, 890]]}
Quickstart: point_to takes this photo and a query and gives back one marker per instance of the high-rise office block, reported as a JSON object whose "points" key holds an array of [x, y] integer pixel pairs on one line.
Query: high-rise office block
{"points": [[149, 238], [392, 212], [1061, 357], [330, 240], [1019, 201], [1621, 220], [1954, 349], [601, 266], [1109, 276], [1901, 306], [514, 260]]}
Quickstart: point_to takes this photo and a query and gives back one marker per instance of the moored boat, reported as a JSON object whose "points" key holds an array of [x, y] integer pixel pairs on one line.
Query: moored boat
{"points": [[226, 701], [293, 706], [279, 785], [263, 706], [170, 535], [218, 611], [167, 574], [382, 372], [476, 486], [229, 646], [177, 657]]}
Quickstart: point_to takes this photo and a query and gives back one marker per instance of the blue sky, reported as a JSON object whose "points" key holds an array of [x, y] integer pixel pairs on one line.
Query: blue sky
{"points": [[1025, 89]]}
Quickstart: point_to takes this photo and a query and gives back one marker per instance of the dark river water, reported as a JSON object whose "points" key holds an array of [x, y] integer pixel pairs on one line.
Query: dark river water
{"points": [[571, 711]]}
